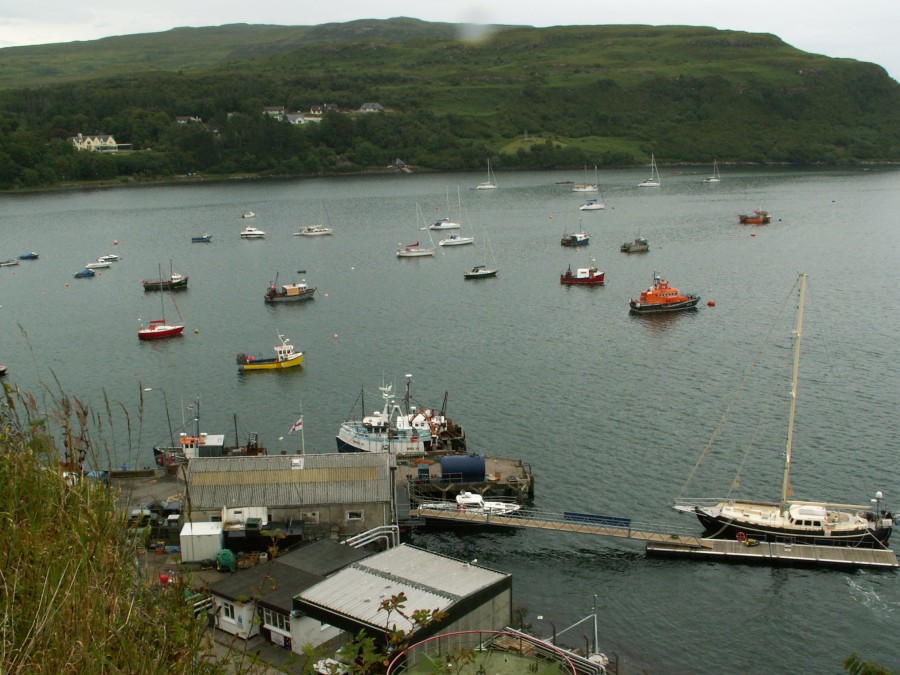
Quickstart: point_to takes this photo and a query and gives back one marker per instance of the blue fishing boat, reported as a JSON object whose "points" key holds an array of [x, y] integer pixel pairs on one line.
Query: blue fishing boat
{"points": [[31, 255], [86, 273]]}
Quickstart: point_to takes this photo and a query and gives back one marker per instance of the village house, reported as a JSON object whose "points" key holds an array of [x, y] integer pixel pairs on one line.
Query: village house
{"points": [[274, 111], [302, 118], [260, 600], [371, 107], [187, 119], [95, 143], [321, 109]]}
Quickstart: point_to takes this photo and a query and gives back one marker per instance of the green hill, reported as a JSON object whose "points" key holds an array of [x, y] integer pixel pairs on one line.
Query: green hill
{"points": [[582, 94]]}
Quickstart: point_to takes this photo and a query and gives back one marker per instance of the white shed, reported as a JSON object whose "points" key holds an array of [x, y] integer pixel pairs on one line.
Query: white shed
{"points": [[201, 541]]}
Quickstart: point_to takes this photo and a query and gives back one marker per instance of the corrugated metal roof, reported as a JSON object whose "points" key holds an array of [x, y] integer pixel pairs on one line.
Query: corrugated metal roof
{"points": [[290, 480], [429, 581]]}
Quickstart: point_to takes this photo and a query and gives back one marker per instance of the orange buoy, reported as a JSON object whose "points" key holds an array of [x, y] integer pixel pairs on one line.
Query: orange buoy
{"points": [[711, 303]]}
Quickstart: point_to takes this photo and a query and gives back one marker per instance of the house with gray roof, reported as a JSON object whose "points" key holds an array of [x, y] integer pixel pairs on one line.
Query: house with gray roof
{"points": [[259, 600]]}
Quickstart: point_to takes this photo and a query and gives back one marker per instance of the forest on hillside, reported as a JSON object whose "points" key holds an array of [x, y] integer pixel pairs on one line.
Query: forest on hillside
{"points": [[527, 98]]}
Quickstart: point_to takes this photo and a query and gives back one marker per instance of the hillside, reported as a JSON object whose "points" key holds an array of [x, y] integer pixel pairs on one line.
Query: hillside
{"points": [[583, 94], [189, 49]]}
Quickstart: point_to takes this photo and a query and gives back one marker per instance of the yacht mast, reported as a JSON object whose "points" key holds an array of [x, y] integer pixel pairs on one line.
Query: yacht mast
{"points": [[798, 332]]}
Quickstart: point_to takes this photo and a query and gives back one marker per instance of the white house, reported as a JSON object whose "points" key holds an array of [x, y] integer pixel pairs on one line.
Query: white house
{"points": [[96, 143]]}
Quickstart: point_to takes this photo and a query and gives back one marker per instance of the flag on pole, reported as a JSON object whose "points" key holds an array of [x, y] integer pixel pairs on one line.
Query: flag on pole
{"points": [[296, 426]]}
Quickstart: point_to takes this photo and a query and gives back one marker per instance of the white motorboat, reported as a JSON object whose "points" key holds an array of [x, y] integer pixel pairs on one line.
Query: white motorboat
{"points": [[592, 205], [472, 502], [251, 232]]}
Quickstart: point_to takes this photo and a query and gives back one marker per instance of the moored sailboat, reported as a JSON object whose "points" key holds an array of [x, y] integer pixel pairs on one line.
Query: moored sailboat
{"points": [[482, 271], [587, 187], [653, 181], [716, 177], [416, 250], [788, 520], [491, 182], [158, 328]]}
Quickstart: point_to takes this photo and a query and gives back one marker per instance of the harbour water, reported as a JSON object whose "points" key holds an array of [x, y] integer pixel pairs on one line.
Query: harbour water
{"points": [[610, 410]]}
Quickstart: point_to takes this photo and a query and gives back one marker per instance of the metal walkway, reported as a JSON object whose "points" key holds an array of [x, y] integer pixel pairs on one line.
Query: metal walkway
{"points": [[568, 521], [668, 543]]}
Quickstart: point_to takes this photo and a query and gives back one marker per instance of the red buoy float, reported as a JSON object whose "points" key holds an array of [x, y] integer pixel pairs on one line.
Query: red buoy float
{"points": [[711, 303]]}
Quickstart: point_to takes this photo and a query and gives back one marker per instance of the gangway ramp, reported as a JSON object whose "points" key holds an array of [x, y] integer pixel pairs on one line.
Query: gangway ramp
{"points": [[566, 521], [661, 542]]}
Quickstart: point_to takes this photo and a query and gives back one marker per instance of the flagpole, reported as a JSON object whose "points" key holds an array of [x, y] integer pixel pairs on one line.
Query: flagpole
{"points": [[302, 437]]}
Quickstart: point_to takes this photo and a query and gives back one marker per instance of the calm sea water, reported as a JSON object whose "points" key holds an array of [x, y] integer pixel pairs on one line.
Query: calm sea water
{"points": [[611, 411]]}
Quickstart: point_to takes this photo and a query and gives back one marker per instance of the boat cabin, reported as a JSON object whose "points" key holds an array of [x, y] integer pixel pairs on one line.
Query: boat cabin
{"points": [[204, 445], [283, 352], [294, 289], [808, 515]]}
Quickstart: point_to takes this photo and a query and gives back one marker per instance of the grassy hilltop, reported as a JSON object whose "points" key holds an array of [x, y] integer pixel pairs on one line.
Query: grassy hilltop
{"points": [[607, 95]]}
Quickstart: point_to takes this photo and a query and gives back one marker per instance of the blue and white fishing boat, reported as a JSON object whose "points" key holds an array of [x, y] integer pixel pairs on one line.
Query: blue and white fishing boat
{"points": [[401, 430]]}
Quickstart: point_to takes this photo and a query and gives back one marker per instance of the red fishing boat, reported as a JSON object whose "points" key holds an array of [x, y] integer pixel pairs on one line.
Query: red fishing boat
{"points": [[758, 218], [661, 297], [583, 276]]}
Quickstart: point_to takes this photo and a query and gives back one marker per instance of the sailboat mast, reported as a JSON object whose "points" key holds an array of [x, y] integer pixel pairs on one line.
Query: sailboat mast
{"points": [[786, 483]]}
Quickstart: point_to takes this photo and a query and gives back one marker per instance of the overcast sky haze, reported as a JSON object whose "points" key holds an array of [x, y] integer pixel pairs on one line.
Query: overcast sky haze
{"points": [[865, 30]]}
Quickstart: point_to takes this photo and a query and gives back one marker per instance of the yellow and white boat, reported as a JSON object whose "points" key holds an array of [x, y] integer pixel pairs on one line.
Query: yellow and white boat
{"points": [[285, 357]]}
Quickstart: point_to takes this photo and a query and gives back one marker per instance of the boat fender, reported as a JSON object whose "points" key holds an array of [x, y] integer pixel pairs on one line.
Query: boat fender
{"points": [[741, 537]]}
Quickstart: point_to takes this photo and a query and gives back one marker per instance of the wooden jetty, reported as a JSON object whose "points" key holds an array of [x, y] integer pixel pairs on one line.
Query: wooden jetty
{"points": [[680, 544]]}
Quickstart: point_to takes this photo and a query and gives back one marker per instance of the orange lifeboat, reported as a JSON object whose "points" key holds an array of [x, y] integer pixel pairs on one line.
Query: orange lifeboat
{"points": [[661, 297]]}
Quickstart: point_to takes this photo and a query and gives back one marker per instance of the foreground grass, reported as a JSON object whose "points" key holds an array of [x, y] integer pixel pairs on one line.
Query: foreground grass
{"points": [[72, 597]]}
